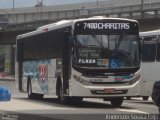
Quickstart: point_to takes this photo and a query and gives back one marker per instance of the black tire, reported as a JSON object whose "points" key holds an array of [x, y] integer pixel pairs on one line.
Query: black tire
{"points": [[61, 98], [116, 102], [128, 98], [32, 95], [159, 107], [29, 89], [75, 100], [78, 99], [145, 98], [64, 99]]}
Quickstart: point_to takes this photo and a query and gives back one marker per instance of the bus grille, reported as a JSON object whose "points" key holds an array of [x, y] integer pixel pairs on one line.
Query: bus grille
{"points": [[102, 92]]}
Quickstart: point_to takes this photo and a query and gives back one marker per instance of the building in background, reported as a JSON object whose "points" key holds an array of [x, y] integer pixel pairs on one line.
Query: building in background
{"points": [[7, 60]]}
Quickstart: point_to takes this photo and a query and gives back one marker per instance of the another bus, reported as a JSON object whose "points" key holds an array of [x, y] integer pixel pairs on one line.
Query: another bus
{"points": [[150, 66], [95, 57]]}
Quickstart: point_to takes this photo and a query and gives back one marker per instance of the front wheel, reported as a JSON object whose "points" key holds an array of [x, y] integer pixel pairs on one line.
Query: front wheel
{"points": [[116, 102], [61, 98], [145, 98], [32, 95], [128, 98]]}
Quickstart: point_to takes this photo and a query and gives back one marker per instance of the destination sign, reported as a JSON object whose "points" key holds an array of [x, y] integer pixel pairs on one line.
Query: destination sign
{"points": [[116, 26], [106, 27]]}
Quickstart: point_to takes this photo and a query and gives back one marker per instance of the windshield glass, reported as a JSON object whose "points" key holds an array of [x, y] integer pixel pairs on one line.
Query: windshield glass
{"points": [[109, 51]]}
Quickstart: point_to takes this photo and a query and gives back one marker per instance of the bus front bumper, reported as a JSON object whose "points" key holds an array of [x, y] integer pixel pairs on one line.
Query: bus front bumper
{"points": [[77, 89]]}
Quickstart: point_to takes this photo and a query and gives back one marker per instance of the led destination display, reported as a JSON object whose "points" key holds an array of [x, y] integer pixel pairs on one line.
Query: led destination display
{"points": [[103, 26], [114, 26]]}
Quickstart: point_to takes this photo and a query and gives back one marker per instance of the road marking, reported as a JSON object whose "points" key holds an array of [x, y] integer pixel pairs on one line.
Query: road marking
{"points": [[131, 111], [133, 104], [140, 99], [101, 101], [94, 100], [120, 109]]}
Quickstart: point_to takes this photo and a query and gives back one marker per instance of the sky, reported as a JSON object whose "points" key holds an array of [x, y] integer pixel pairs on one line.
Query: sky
{"points": [[30, 3]]}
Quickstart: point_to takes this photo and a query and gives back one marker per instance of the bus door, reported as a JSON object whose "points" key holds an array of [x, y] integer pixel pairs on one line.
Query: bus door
{"points": [[66, 61], [148, 61], [20, 59]]}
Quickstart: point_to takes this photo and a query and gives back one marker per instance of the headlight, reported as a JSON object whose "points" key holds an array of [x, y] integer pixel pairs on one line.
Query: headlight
{"points": [[82, 81], [134, 80]]}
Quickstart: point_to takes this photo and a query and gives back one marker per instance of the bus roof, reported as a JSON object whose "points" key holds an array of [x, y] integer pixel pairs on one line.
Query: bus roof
{"points": [[65, 23], [76, 20], [150, 33]]}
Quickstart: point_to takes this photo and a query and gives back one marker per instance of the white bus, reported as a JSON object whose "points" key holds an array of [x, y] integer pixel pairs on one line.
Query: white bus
{"points": [[94, 57], [150, 66]]}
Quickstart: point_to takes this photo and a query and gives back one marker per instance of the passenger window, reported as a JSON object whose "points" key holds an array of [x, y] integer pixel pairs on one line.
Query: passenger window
{"points": [[149, 49]]}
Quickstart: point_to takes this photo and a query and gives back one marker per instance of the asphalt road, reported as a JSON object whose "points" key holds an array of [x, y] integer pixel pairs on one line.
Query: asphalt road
{"points": [[93, 109]]}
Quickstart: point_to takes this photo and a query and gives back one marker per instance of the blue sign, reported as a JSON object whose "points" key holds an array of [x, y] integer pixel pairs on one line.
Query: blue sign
{"points": [[5, 94], [114, 63]]}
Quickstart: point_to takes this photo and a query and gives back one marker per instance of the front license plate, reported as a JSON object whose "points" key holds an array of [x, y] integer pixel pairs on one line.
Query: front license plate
{"points": [[110, 90]]}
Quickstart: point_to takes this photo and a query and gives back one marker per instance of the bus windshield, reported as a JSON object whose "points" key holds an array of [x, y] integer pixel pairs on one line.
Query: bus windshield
{"points": [[107, 51]]}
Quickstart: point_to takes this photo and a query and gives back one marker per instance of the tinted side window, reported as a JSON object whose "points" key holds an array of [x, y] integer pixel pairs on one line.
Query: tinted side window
{"points": [[149, 49], [44, 46]]}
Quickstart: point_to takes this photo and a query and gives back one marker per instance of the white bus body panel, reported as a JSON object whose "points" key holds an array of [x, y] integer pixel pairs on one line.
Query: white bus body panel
{"points": [[150, 72], [145, 79], [43, 74]]}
